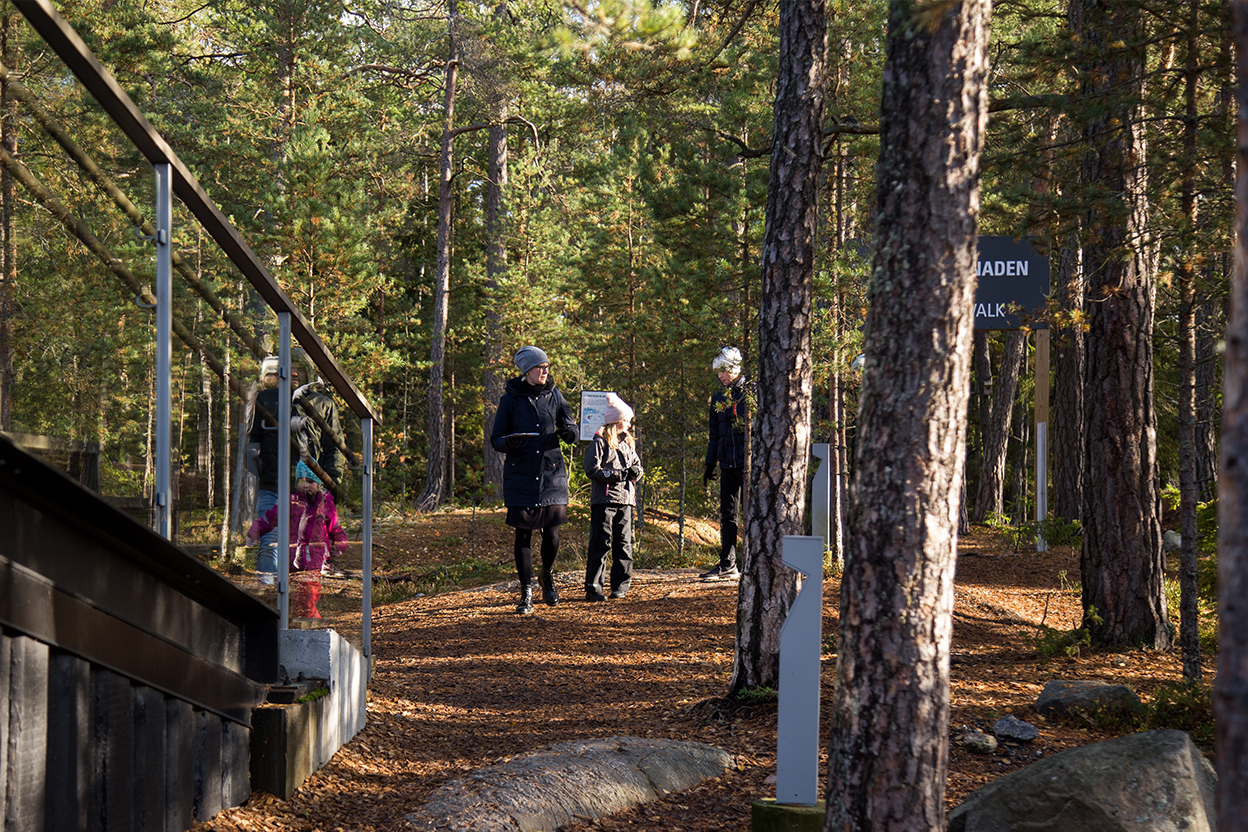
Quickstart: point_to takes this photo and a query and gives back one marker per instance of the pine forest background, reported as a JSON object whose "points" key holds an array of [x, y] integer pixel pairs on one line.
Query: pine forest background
{"points": [[607, 188]]}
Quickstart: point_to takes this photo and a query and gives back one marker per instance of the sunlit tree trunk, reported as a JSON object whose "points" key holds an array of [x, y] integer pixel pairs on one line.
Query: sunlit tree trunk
{"points": [[1067, 434], [1230, 701], [888, 752], [435, 479], [780, 424], [1121, 563], [8, 237], [1189, 615]]}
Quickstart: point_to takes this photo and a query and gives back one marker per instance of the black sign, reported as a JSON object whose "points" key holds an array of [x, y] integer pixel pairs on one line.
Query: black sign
{"points": [[1012, 286]]}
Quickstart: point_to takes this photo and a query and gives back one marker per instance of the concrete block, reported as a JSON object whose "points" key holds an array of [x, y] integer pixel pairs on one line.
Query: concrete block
{"points": [[324, 654], [284, 745], [769, 816]]}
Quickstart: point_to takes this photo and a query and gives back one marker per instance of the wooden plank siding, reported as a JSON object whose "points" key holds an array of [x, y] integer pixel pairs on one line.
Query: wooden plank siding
{"points": [[128, 669]]}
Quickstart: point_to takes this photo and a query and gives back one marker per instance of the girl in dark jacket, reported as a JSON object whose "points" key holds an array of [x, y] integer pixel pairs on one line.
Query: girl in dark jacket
{"points": [[613, 467], [532, 417]]}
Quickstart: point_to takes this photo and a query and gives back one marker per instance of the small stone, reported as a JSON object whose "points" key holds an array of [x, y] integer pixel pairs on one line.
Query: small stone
{"points": [[1012, 728], [977, 742]]}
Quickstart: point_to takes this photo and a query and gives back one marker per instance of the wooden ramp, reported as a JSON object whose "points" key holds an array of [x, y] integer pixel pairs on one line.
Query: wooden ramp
{"points": [[128, 668]]}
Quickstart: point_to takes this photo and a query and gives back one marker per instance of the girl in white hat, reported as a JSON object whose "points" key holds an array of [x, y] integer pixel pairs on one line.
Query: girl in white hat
{"points": [[613, 467]]}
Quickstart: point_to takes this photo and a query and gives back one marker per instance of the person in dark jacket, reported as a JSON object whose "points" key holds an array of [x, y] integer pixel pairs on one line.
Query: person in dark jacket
{"points": [[725, 455], [313, 440], [532, 417], [613, 468]]}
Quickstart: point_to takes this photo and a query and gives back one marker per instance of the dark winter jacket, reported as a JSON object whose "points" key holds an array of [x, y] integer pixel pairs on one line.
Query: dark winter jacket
{"points": [[728, 413], [612, 472], [533, 471], [263, 432], [322, 446]]}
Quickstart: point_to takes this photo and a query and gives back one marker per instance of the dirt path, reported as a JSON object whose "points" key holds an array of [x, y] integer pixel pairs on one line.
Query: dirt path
{"points": [[462, 682]]}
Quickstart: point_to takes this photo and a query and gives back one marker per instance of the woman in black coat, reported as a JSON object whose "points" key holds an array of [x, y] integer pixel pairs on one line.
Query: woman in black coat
{"points": [[532, 417]]}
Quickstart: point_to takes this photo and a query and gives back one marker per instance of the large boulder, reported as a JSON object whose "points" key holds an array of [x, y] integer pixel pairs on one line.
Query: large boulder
{"points": [[1156, 781], [1066, 697], [569, 782]]}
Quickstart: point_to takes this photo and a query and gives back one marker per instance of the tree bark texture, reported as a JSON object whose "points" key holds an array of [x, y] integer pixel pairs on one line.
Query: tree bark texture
{"points": [[1210, 325], [887, 756], [1230, 700], [780, 427], [495, 361], [990, 493], [1121, 563], [1189, 612], [8, 236], [1066, 446], [435, 479]]}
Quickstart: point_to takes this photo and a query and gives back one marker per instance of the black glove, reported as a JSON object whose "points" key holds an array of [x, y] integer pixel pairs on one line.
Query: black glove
{"points": [[709, 474], [515, 443], [568, 435], [634, 473]]}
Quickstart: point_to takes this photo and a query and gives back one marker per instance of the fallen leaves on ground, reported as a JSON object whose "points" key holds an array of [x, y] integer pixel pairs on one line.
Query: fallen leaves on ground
{"points": [[463, 682]]}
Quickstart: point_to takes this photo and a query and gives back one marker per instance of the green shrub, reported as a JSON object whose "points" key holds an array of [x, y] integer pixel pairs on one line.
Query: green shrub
{"points": [[1183, 705], [1051, 642], [757, 696]]}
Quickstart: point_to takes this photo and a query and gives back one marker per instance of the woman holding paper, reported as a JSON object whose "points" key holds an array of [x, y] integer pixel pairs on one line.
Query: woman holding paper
{"points": [[532, 417]]}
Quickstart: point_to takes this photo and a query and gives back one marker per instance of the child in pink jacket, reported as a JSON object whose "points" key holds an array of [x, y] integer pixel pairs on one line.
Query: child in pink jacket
{"points": [[314, 530]]}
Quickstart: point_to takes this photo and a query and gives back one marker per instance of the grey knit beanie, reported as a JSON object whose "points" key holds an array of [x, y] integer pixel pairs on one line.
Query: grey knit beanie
{"points": [[529, 357]]}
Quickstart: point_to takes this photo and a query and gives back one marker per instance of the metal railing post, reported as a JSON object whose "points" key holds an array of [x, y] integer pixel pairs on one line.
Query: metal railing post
{"points": [[283, 467], [366, 568], [164, 349]]}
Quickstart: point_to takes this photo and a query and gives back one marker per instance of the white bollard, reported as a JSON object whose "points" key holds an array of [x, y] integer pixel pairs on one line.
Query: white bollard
{"points": [[797, 733]]}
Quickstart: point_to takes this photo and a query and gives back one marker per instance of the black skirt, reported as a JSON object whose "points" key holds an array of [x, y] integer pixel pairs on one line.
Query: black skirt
{"points": [[542, 517]]}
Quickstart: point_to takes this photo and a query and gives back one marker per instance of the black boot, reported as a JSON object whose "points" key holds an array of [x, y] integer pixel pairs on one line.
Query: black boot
{"points": [[549, 594], [526, 600]]}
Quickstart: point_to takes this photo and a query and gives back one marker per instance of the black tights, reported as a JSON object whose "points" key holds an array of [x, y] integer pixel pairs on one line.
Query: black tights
{"points": [[524, 552]]}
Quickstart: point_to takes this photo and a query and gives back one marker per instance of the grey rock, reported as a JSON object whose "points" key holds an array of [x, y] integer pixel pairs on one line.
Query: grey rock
{"points": [[977, 742], [1011, 728], [1171, 541], [1060, 698], [569, 782], [1156, 781]]}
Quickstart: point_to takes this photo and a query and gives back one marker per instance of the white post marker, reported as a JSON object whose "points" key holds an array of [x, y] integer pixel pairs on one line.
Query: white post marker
{"points": [[821, 494], [797, 733]]}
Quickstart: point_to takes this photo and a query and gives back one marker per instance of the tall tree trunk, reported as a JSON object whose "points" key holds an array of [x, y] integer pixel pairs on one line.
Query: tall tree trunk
{"points": [[1230, 700], [1067, 434], [888, 752], [8, 236], [495, 359], [1121, 564], [980, 408], [1189, 612], [1210, 325], [780, 423], [435, 478], [990, 493]]}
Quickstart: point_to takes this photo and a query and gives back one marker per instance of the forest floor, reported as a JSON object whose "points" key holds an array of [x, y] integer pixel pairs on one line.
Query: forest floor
{"points": [[462, 682]]}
